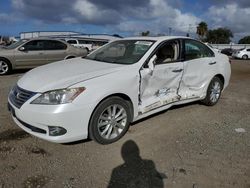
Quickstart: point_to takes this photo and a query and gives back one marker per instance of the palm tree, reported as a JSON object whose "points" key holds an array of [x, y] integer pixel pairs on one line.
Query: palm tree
{"points": [[202, 30]]}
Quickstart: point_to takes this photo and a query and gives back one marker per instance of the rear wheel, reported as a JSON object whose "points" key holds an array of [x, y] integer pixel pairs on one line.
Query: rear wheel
{"points": [[245, 57], [110, 120], [5, 67], [213, 92]]}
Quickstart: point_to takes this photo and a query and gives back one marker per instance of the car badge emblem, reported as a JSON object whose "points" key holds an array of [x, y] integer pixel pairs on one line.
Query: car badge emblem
{"points": [[18, 95]]}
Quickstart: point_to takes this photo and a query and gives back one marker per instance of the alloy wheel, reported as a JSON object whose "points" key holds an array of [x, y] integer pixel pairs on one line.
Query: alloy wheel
{"points": [[112, 121], [215, 92], [3, 67]]}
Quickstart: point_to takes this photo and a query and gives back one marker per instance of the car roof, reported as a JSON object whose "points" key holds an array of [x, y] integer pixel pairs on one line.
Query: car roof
{"points": [[43, 38]]}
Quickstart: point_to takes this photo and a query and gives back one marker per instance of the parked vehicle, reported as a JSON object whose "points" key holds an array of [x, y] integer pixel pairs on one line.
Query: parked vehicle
{"points": [[35, 52], [213, 48], [242, 54], [126, 80], [88, 44], [228, 51]]}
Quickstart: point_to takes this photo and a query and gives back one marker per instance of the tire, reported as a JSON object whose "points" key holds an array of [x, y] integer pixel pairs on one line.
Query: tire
{"points": [[5, 67], [213, 92], [110, 120], [245, 57]]}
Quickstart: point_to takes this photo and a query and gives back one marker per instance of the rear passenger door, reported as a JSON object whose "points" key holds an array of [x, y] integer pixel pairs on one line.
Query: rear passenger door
{"points": [[54, 50], [199, 67]]}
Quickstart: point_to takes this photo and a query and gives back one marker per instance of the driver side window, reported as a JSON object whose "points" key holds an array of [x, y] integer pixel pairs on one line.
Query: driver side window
{"points": [[168, 53], [34, 45]]}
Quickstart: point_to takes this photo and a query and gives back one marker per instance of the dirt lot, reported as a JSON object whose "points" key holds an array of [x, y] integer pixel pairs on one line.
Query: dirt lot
{"points": [[189, 146]]}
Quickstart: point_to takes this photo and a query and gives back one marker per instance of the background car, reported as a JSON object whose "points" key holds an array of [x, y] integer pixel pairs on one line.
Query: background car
{"points": [[242, 54], [35, 52], [126, 80], [90, 44], [228, 51]]}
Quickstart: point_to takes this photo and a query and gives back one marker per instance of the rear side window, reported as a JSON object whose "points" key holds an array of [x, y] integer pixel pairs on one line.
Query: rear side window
{"points": [[54, 45], [248, 50], [196, 50], [71, 41], [84, 42]]}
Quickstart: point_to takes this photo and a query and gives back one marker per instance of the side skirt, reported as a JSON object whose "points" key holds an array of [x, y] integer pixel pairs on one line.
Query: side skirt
{"points": [[165, 107]]}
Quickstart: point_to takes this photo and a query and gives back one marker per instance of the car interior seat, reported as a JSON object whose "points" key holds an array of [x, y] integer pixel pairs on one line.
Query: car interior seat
{"points": [[165, 54]]}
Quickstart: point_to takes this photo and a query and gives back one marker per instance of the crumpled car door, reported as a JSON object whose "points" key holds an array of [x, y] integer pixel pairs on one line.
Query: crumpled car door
{"points": [[161, 86]]}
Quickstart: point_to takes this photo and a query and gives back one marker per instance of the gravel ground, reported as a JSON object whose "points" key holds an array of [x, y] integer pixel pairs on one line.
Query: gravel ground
{"points": [[188, 146]]}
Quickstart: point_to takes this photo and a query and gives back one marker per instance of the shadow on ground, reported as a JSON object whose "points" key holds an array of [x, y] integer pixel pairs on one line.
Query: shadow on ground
{"points": [[135, 172]]}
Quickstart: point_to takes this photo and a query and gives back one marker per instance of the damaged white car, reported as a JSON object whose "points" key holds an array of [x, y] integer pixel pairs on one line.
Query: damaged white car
{"points": [[98, 96]]}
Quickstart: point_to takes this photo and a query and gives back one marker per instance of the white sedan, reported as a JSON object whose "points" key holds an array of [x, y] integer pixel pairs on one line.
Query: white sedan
{"points": [[242, 54], [98, 96]]}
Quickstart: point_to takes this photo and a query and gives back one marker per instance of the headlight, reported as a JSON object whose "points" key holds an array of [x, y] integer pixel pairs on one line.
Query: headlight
{"points": [[61, 96]]}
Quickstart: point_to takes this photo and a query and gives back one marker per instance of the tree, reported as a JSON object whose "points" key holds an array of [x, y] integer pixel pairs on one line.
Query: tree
{"points": [[219, 36], [146, 33], [116, 35], [202, 30], [245, 40]]}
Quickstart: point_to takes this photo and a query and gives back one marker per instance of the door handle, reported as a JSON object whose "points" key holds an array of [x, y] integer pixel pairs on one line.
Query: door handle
{"points": [[177, 70], [212, 63]]}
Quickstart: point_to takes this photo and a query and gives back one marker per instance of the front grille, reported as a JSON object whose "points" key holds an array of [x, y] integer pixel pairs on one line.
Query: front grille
{"points": [[19, 96]]}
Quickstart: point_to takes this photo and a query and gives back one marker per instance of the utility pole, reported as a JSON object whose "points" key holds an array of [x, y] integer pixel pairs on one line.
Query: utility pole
{"points": [[189, 30], [169, 31]]}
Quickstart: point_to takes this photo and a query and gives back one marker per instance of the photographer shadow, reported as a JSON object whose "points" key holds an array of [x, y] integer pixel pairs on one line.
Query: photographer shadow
{"points": [[135, 172]]}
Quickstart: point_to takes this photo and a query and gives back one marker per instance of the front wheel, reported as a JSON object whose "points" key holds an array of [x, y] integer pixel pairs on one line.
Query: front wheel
{"points": [[213, 92], [5, 67], [110, 120]]}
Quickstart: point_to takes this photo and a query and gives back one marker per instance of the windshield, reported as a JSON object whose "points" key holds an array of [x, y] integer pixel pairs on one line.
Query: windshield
{"points": [[122, 52], [16, 44]]}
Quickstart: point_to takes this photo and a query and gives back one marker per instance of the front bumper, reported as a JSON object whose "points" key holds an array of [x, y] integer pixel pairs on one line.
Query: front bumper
{"points": [[237, 55], [36, 119]]}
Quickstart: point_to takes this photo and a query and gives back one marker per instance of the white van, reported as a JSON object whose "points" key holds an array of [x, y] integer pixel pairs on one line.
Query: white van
{"points": [[88, 44]]}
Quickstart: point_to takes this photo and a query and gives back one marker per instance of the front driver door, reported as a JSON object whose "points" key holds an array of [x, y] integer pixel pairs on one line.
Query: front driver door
{"points": [[160, 86], [31, 54]]}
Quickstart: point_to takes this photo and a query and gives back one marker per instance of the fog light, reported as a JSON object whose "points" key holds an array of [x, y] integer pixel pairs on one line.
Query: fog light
{"points": [[56, 131]]}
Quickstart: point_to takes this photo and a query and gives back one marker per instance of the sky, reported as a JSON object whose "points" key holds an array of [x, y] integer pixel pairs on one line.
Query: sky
{"points": [[124, 17]]}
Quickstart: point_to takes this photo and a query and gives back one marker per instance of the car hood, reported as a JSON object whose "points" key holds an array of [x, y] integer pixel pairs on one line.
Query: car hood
{"points": [[65, 73]]}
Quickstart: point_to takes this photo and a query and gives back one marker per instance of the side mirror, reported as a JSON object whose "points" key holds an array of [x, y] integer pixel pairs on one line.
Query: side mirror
{"points": [[21, 49]]}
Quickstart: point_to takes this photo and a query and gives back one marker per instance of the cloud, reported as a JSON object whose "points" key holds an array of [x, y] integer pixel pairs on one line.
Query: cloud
{"points": [[131, 16], [232, 16], [88, 12], [160, 16], [48, 11], [8, 18], [240, 3]]}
